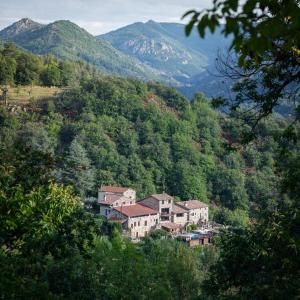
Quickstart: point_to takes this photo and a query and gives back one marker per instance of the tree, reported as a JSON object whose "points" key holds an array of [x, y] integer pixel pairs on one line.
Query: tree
{"points": [[229, 187], [27, 69], [188, 182], [266, 41], [7, 70], [51, 76], [77, 170]]}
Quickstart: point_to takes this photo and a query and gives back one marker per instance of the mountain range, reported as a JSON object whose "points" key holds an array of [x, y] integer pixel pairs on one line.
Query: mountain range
{"points": [[149, 51]]}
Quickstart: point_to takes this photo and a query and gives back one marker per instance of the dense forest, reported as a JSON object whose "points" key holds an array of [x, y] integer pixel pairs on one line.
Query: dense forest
{"points": [[19, 67], [112, 130]]}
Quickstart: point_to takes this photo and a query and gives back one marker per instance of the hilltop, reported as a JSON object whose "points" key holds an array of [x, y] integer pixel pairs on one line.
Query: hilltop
{"points": [[149, 51], [67, 40], [153, 44]]}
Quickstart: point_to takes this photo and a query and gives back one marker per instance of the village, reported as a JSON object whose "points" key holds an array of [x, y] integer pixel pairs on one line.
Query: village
{"points": [[184, 220]]}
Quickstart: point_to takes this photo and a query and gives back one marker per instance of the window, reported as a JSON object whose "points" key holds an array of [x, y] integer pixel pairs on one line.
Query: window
{"points": [[134, 224], [131, 225], [123, 203], [130, 202], [179, 215], [136, 234], [156, 221], [116, 204], [163, 202], [145, 224], [146, 233], [165, 211], [139, 224], [169, 201]]}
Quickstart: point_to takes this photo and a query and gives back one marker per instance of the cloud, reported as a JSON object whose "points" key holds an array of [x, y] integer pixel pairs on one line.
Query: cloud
{"points": [[97, 16]]}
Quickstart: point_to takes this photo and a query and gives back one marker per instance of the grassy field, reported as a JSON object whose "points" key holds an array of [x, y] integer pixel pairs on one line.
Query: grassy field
{"points": [[29, 94]]}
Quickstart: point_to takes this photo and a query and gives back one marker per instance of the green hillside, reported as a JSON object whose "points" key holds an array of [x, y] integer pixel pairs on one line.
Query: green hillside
{"points": [[67, 40]]}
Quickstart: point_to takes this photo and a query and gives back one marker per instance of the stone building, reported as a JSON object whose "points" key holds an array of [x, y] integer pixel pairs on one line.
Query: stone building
{"points": [[137, 219], [114, 196], [179, 215], [111, 201], [154, 211], [197, 211], [106, 190], [162, 203]]}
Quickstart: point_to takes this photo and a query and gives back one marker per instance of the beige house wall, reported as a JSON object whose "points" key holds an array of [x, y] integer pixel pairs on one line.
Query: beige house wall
{"points": [[139, 226], [131, 194], [123, 201], [166, 204], [180, 220], [199, 214]]}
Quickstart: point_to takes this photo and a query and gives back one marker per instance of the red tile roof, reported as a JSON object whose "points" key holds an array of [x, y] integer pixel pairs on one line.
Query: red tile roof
{"points": [[113, 189], [192, 204], [135, 210], [110, 199]]}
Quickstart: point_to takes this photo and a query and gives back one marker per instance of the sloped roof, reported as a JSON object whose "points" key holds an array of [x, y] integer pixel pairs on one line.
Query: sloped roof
{"points": [[161, 197], [192, 204], [110, 199], [113, 189], [170, 225], [178, 209], [135, 210]]}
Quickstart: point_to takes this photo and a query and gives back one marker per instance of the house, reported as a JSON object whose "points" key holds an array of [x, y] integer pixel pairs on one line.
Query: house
{"points": [[197, 211], [155, 211], [137, 219], [171, 227], [179, 215], [161, 203], [110, 201], [113, 196], [106, 190]]}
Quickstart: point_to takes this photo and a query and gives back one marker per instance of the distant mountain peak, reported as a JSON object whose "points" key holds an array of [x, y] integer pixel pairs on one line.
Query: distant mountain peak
{"points": [[151, 22], [19, 27], [26, 23]]}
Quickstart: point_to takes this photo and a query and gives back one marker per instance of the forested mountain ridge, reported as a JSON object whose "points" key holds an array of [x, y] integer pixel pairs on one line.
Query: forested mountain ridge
{"points": [[66, 40], [150, 51]]}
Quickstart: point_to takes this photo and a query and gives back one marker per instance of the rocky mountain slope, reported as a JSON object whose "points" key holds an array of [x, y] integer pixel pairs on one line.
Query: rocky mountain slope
{"points": [[187, 61]]}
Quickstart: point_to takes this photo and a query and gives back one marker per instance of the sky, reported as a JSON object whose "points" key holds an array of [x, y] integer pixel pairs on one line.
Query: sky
{"points": [[97, 16]]}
